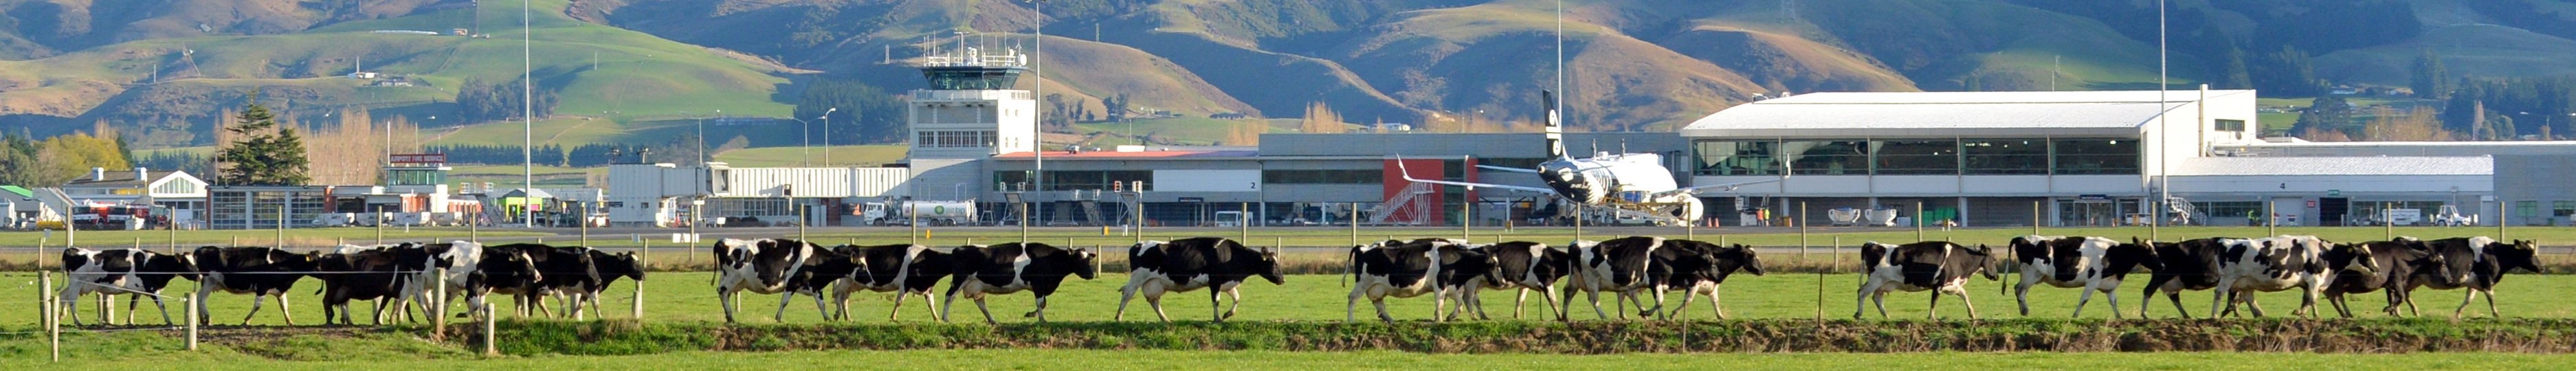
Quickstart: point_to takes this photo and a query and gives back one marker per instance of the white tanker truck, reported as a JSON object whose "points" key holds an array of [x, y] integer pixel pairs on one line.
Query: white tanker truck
{"points": [[901, 212]]}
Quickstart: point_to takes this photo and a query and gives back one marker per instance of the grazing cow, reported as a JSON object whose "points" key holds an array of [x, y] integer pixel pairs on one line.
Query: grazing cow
{"points": [[364, 274], [764, 266], [2477, 264], [573, 272], [2400, 261], [507, 270], [2283, 263], [1707, 267], [110, 272], [1214, 263], [1408, 269], [557, 267], [610, 267], [1011, 268], [2188, 265], [257, 271], [904, 270], [1920, 266], [1520, 266], [2090, 263]]}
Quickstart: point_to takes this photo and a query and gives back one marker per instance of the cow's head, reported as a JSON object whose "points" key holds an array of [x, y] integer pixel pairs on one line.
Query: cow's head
{"points": [[624, 264], [513, 266], [1983, 260], [2138, 252], [2355, 258], [1268, 266], [1087, 259], [2521, 254], [1747, 259]]}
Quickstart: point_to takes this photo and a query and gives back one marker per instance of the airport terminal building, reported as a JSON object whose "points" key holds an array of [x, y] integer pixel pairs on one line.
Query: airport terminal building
{"points": [[1974, 158]]}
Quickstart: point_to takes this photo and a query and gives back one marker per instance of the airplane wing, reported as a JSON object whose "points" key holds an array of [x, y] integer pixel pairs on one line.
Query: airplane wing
{"points": [[1408, 176]]}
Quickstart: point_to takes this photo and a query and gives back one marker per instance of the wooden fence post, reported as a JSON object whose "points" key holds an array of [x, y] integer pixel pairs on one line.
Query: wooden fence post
{"points": [[437, 303], [491, 314], [53, 313]]}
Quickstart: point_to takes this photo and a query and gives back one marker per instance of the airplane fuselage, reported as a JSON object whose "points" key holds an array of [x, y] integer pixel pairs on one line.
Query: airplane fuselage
{"points": [[1604, 178]]}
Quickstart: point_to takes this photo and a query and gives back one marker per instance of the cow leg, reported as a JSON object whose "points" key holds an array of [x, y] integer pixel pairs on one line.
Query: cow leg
{"points": [[927, 302], [255, 299], [2150, 296], [1155, 299], [1216, 304], [1879, 300], [841, 304], [1439, 301], [1351, 308], [2218, 296], [2252, 306], [1550, 297], [1860, 302], [1039, 312], [1934, 311], [2081, 300], [2464, 302], [1381, 309], [2176, 296], [783, 298], [1595, 297], [2337, 300], [725, 297], [71, 304], [1125, 294], [2491, 308], [2395, 296], [1686, 300], [1237, 295], [2113, 299], [1716, 306], [988, 313], [1964, 302], [165, 309], [2021, 293], [818, 308]]}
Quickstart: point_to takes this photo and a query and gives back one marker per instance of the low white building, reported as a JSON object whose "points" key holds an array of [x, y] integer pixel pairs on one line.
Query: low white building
{"points": [[182, 194], [2056, 158], [662, 194]]}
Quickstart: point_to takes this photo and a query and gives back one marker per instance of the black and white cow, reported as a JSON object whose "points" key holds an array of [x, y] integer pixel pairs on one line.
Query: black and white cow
{"points": [[1409, 269], [2282, 263], [1704, 269], [111, 272], [1014, 267], [506, 270], [904, 270], [2400, 262], [1520, 266], [2188, 265], [359, 273], [1929, 265], [257, 271], [764, 266], [2088, 263], [457, 259], [1622, 266], [820, 277], [2477, 264], [1214, 263], [610, 267]]}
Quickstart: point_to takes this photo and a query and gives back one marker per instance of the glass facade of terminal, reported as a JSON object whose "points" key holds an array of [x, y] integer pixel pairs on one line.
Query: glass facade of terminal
{"points": [[2022, 156]]}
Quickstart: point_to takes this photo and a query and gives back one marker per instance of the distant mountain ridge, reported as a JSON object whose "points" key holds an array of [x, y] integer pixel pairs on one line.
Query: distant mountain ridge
{"points": [[1629, 64]]}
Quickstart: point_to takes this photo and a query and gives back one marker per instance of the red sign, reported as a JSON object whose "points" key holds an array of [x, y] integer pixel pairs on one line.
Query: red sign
{"points": [[419, 158], [2312, 204]]}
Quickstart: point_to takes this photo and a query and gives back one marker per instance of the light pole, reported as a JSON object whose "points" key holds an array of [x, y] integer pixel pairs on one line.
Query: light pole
{"points": [[1037, 141], [827, 136]]}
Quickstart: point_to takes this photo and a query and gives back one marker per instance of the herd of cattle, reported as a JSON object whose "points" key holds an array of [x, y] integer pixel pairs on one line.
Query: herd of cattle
{"points": [[1633, 269], [396, 277]]}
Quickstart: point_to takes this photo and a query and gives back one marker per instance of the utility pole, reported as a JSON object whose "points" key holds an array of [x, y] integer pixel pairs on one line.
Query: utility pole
{"points": [[528, 109]]}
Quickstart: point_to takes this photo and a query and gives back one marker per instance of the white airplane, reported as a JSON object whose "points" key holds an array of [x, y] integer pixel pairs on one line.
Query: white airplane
{"points": [[1626, 181]]}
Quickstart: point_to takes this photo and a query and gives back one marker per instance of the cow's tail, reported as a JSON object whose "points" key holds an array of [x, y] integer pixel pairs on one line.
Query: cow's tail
{"points": [[1352, 270]]}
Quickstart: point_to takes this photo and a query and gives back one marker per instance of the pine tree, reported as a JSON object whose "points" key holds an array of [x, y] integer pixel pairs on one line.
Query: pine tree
{"points": [[2431, 80], [265, 154]]}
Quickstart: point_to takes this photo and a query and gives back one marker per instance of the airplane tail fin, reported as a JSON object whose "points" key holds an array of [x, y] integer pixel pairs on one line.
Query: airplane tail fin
{"points": [[1555, 127]]}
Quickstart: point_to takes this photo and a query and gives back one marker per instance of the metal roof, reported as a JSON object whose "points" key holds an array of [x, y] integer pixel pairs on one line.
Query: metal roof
{"points": [[2309, 166], [1946, 113]]}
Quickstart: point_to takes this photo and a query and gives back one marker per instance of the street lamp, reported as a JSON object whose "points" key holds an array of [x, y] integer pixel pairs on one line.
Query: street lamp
{"points": [[827, 136], [807, 138]]}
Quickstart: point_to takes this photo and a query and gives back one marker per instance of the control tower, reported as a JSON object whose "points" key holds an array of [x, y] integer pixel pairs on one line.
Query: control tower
{"points": [[971, 111]]}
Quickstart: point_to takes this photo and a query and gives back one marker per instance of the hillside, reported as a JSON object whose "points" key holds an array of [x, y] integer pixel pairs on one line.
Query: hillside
{"points": [[635, 71]]}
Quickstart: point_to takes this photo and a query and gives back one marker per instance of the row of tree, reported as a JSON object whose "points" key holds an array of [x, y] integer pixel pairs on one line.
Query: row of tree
{"points": [[478, 101], [28, 162]]}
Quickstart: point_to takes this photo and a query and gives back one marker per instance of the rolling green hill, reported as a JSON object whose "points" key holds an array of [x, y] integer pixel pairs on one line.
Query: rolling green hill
{"points": [[635, 71]]}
